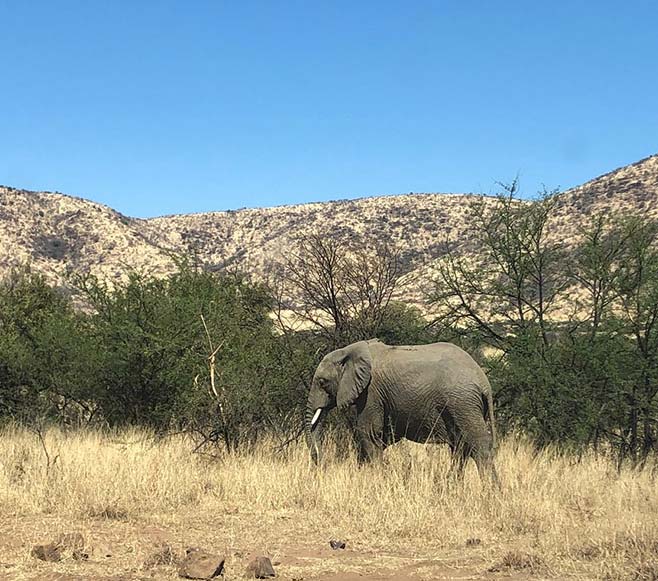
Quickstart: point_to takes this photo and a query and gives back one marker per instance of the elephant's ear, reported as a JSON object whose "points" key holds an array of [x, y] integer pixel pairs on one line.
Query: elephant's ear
{"points": [[357, 364]]}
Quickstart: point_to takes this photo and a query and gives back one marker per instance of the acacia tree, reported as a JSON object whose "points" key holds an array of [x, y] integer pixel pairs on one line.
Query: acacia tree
{"points": [[575, 328], [345, 292], [637, 287], [510, 288], [510, 296], [506, 296], [596, 267]]}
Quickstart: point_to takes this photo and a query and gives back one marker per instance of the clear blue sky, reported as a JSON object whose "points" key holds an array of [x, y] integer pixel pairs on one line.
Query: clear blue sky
{"points": [[157, 107]]}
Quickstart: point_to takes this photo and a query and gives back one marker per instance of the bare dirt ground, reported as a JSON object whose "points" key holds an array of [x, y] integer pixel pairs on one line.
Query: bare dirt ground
{"points": [[299, 549]]}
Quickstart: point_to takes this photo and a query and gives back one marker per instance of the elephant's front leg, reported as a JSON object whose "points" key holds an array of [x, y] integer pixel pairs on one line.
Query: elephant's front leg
{"points": [[369, 434]]}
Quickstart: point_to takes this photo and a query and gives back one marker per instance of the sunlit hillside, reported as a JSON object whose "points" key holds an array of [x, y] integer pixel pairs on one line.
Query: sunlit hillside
{"points": [[59, 234]]}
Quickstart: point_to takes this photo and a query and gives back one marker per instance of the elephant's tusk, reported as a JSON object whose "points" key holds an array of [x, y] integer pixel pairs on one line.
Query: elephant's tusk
{"points": [[316, 416]]}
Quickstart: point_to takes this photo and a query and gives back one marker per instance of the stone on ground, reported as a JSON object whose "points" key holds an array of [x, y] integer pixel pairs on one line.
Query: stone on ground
{"points": [[260, 567], [201, 565], [73, 543], [49, 552]]}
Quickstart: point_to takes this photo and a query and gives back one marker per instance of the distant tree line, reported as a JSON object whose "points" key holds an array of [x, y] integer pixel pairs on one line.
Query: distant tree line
{"points": [[568, 330]]}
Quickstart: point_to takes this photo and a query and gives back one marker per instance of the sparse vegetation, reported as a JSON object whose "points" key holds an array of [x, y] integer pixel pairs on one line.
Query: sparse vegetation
{"points": [[554, 515]]}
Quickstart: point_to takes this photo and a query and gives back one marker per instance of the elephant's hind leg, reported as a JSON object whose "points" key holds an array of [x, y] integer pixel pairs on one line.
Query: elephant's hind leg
{"points": [[369, 449], [474, 440]]}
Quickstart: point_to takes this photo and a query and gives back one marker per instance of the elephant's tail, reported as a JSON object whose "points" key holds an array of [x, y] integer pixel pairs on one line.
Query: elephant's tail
{"points": [[487, 402]]}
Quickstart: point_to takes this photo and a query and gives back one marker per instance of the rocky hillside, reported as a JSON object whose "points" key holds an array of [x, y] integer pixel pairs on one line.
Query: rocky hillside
{"points": [[632, 189], [257, 239], [58, 233]]}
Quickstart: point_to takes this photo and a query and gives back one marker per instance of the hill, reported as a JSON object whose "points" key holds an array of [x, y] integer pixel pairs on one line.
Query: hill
{"points": [[58, 234], [632, 189]]}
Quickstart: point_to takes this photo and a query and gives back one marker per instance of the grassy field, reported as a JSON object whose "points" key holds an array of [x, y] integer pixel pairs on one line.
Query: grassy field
{"points": [[556, 516]]}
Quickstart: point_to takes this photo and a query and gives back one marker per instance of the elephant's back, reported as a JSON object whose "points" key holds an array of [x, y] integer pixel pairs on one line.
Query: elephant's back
{"points": [[457, 364], [434, 352], [445, 360]]}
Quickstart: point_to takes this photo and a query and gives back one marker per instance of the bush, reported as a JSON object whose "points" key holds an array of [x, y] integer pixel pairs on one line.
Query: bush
{"points": [[157, 338], [48, 360]]}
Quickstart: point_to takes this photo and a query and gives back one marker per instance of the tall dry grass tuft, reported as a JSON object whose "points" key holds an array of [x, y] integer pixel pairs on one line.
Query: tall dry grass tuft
{"points": [[558, 512]]}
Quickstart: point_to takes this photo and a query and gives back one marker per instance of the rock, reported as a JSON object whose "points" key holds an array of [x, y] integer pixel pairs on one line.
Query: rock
{"points": [[50, 552], [73, 542], [201, 565], [335, 545], [80, 555], [65, 542], [260, 567]]}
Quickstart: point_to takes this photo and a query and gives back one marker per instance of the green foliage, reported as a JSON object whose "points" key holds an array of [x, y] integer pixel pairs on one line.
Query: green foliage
{"points": [[403, 324], [141, 354], [574, 329], [47, 354], [157, 338]]}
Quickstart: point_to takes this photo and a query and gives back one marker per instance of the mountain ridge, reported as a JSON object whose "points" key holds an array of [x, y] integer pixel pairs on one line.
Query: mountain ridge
{"points": [[59, 234]]}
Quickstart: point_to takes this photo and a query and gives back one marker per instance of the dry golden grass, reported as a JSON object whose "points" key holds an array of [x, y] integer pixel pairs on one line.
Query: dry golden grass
{"points": [[555, 516]]}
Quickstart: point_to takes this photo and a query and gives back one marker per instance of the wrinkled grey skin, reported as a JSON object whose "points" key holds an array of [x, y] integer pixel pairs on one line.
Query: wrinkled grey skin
{"points": [[425, 393]]}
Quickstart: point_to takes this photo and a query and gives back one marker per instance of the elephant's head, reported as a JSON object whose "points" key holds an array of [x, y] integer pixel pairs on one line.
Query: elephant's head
{"points": [[339, 380]]}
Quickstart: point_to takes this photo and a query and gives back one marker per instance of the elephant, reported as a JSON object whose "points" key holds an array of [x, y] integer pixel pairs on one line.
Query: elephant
{"points": [[425, 393]]}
